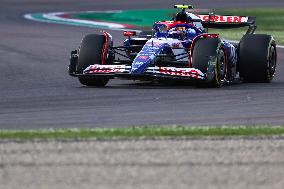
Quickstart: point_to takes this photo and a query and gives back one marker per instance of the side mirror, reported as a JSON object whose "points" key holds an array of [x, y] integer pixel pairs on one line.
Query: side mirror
{"points": [[129, 33]]}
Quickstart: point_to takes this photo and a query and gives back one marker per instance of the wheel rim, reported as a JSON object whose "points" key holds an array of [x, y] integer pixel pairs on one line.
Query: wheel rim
{"points": [[221, 66], [272, 61]]}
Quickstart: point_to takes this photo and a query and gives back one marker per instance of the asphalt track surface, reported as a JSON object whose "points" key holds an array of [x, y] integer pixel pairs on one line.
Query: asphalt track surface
{"points": [[36, 91]]}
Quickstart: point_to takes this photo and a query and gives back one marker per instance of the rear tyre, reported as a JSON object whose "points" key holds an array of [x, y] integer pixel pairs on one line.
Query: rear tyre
{"points": [[209, 58], [91, 52], [257, 58]]}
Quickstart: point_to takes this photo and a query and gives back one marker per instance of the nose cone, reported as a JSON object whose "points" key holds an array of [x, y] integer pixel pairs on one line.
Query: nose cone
{"points": [[147, 55], [140, 63]]}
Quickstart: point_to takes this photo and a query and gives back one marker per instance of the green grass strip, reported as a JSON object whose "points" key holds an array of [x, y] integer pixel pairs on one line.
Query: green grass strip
{"points": [[137, 132]]}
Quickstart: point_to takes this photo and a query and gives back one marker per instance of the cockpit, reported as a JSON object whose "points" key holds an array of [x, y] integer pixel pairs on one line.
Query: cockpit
{"points": [[175, 29]]}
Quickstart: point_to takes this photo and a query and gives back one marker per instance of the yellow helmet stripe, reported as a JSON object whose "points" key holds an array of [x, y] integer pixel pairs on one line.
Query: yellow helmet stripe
{"points": [[183, 6]]}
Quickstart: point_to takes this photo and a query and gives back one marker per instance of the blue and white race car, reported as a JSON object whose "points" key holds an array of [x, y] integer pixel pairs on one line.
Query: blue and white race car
{"points": [[180, 49]]}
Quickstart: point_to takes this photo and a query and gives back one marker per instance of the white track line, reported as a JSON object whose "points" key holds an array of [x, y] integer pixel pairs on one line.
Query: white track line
{"points": [[56, 16]]}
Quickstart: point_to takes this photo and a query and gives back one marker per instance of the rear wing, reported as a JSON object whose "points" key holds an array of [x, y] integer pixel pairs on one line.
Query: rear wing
{"points": [[225, 22]]}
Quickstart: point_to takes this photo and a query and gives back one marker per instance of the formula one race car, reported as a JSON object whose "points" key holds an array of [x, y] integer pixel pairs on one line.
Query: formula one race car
{"points": [[180, 49]]}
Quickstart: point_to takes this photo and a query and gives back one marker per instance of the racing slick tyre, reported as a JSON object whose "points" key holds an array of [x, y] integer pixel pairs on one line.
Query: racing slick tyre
{"points": [[91, 51], [257, 58], [209, 58]]}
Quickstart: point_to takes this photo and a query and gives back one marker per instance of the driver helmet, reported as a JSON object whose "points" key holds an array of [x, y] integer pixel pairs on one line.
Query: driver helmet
{"points": [[181, 17]]}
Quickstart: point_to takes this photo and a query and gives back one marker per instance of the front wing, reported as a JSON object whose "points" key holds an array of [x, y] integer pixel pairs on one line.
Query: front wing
{"points": [[151, 71]]}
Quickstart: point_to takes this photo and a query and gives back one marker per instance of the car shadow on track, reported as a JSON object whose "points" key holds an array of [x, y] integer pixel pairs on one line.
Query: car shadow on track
{"points": [[185, 85]]}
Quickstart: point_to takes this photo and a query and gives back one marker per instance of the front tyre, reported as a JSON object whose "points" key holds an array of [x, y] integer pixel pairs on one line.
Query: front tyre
{"points": [[92, 50], [209, 57]]}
